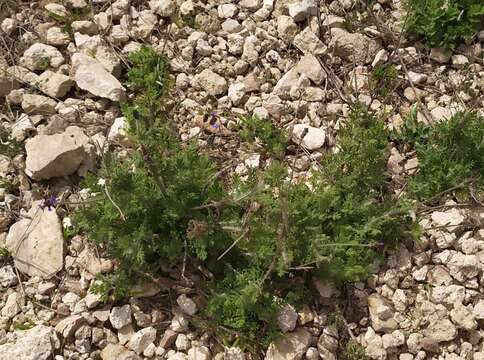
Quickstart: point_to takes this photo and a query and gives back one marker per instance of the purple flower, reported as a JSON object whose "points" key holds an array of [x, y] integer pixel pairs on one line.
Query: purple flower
{"points": [[49, 202]]}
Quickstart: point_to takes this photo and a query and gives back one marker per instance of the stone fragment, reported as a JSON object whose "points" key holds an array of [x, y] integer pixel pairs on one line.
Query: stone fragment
{"points": [[12, 306], [287, 319], [463, 317], [310, 67], [120, 316], [90, 75], [8, 277], [40, 56], [168, 339], [118, 352], [187, 305], [68, 326], [37, 243], [303, 9], [164, 8], [354, 47], [118, 132], [441, 330], [287, 29], [34, 344], [308, 136], [55, 155], [381, 313], [211, 82], [57, 37], [141, 339], [54, 84], [34, 104], [309, 43], [199, 353], [291, 347], [440, 55]]}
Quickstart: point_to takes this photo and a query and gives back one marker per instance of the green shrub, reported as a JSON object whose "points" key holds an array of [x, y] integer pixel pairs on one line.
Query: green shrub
{"points": [[383, 80], [450, 155], [263, 237], [444, 23]]}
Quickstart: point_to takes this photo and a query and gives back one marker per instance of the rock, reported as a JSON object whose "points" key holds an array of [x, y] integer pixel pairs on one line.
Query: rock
{"points": [[440, 55], [57, 37], [234, 353], [374, 345], [381, 313], [414, 94], [226, 11], [55, 155], [141, 339], [448, 294], [441, 330], [40, 56], [92, 76], [309, 43], [68, 326], [309, 137], [199, 353], [287, 319], [463, 267], [287, 29], [56, 9], [478, 308], [118, 132], [117, 352], [285, 83], [327, 346], [303, 9], [356, 48], [168, 339], [211, 82], [416, 78], [393, 340], [22, 128], [37, 243], [381, 58], [120, 316], [309, 66], [236, 93], [8, 25], [22, 75], [12, 306], [182, 342], [187, 305], [291, 347], [37, 104], [85, 27], [54, 84], [451, 218], [463, 317], [34, 344], [251, 5], [164, 8], [8, 277]]}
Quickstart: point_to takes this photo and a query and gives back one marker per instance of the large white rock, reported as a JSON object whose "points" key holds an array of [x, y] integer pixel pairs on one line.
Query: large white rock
{"points": [[118, 352], [310, 66], [120, 316], [164, 8], [35, 344], [308, 136], [55, 155], [90, 75], [309, 43], [38, 104], [303, 9], [36, 243], [40, 56]]}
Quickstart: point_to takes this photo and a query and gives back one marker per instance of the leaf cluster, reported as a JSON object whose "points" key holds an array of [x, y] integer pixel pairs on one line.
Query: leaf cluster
{"points": [[444, 23]]}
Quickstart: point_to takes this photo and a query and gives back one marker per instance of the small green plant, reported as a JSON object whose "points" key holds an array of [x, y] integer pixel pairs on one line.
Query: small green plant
{"points": [[383, 80], [272, 138], [263, 237], [444, 23], [8, 146], [450, 155], [354, 351], [67, 20]]}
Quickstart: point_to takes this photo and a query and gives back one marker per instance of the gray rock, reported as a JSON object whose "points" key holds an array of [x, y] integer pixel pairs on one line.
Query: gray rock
{"points": [[37, 243], [291, 347], [141, 339], [303, 9], [40, 56], [287, 319], [309, 43], [118, 352], [381, 313], [55, 155], [92, 76], [187, 305], [120, 316], [211, 82], [164, 8], [7, 276], [353, 47], [34, 104], [54, 84], [35, 344]]}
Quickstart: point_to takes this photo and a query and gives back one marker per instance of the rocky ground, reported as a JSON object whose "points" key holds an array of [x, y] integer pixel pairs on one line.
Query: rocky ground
{"points": [[294, 62]]}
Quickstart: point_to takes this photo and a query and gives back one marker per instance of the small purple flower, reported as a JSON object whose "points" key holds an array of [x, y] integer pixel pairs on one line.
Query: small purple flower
{"points": [[49, 202]]}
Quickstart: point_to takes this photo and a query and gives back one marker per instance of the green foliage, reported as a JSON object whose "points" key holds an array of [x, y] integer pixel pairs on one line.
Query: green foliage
{"points": [[444, 23], [354, 351], [450, 154], [272, 138], [8, 146], [263, 237], [383, 80], [66, 21]]}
